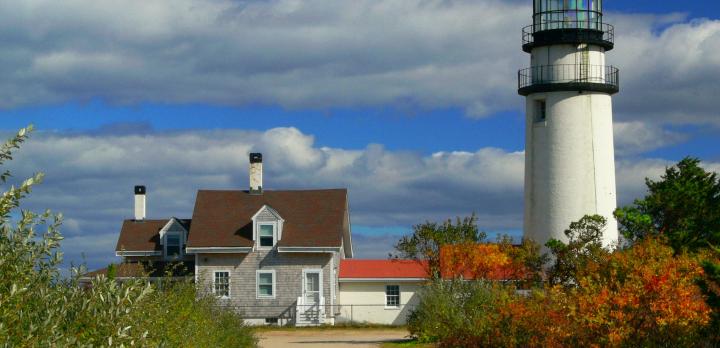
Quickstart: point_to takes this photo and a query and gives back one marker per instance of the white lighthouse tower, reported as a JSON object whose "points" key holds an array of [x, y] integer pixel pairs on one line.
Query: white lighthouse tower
{"points": [[569, 156]]}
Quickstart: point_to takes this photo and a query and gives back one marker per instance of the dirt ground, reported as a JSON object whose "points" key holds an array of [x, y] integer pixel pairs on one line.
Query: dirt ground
{"points": [[355, 338]]}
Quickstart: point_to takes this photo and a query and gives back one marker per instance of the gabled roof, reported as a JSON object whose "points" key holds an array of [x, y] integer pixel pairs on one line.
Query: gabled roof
{"points": [[313, 218], [382, 269], [144, 235]]}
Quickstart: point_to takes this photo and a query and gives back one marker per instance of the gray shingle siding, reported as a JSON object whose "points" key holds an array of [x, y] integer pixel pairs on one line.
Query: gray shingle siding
{"points": [[288, 279], [265, 216]]}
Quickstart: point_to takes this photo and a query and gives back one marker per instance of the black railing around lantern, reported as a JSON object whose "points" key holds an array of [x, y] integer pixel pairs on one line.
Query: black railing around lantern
{"points": [[568, 77], [568, 31]]}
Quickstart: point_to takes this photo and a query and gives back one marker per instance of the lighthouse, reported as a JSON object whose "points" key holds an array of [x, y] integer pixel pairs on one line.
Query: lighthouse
{"points": [[569, 155]]}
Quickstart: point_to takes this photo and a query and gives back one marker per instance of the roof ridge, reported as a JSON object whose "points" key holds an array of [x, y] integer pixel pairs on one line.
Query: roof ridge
{"points": [[281, 190]]}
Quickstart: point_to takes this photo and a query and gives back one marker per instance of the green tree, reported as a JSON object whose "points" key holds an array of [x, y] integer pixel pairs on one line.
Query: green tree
{"points": [[683, 207], [710, 285], [111, 271], [527, 254], [584, 248], [427, 239]]}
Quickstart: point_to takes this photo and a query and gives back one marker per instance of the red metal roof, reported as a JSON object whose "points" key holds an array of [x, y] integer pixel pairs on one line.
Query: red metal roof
{"points": [[377, 269]]}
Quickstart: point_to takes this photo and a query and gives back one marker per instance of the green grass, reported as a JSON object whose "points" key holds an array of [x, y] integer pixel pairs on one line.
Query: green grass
{"points": [[411, 343]]}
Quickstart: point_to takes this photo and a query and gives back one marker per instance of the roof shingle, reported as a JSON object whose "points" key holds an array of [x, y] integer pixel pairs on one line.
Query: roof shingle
{"points": [[313, 218], [143, 235]]}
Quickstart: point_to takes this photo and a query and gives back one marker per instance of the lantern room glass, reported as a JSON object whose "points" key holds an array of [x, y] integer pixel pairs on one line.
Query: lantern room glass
{"points": [[567, 14]]}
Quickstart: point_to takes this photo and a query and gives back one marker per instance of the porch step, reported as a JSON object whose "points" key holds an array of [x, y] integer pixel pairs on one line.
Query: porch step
{"points": [[309, 318]]}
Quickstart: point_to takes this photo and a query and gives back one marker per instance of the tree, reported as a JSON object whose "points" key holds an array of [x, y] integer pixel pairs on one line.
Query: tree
{"points": [[528, 258], [683, 207], [584, 248], [520, 264], [710, 284], [428, 238]]}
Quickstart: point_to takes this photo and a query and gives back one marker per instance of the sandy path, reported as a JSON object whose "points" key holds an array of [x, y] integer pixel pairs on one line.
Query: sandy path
{"points": [[355, 338]]}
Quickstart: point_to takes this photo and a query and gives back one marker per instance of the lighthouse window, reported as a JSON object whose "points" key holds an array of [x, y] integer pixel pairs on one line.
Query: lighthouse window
{"points": [[540, 111]]}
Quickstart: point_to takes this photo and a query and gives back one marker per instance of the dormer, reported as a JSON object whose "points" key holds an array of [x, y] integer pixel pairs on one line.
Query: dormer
{"points": [[267, 228], [173, 237]]}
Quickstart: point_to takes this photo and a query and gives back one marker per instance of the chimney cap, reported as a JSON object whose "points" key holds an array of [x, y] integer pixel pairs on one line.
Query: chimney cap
{"points": [[140, 190], [255, 157]]}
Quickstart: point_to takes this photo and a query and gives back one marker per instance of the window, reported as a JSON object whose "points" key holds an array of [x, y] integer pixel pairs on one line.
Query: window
{"points": [[221, 284], [173, 248], [265, 284], [540, 111], [271, 321], [392, 296], [266, 235]]}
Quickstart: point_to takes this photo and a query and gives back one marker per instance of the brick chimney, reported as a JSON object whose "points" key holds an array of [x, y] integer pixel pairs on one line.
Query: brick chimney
{"points": [[256, 173]]}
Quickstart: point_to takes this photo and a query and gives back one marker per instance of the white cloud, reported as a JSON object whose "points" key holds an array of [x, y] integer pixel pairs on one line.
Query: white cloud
{"points": [[90, 179], [669, 69], [632, 138], [309, 54], [315, 54]]}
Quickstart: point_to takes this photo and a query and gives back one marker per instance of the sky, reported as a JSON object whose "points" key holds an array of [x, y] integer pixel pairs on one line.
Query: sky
{"points": [[410, 104]]}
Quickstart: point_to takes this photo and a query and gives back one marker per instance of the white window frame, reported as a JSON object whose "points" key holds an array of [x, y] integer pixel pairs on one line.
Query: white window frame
{"points": [[181, 254], [399, 296], [257, 284], [275, 234], [214, 289]]}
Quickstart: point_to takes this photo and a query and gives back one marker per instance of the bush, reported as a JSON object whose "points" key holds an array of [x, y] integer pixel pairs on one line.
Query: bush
{"points": [[455, 313], [642, 296], [40, 308], [177, 317]]}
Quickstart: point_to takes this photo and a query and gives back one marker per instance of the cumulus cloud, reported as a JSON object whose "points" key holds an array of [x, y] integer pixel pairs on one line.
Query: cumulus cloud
{"points": [[632, 138], [309, 54], [319, 54], [90, 178], [669, 69]]}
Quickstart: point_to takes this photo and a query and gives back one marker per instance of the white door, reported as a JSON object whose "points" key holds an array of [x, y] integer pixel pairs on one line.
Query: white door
{"points": [[312, 288]]}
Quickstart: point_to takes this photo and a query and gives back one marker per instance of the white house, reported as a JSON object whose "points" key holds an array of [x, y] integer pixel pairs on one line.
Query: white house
{"points": [[379, 291]]}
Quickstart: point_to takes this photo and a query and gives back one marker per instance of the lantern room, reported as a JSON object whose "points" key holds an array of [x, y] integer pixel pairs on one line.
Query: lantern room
{"points": [[567, 14]]}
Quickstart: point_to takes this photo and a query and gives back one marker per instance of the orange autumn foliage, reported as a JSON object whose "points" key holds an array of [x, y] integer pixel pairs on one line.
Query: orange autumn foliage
{"points": [[480, 261], [642, 296]]}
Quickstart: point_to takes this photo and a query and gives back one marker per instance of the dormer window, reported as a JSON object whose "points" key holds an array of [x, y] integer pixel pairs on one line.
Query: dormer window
{"points": [[173, 245], [173, 237], [266, 235], [267, 228]]}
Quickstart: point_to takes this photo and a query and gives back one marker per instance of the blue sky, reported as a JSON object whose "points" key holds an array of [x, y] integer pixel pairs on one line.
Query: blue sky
{"points": [[416, 102]]}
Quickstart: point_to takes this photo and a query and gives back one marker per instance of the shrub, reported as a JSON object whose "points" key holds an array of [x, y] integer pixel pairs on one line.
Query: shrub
{"points": [[178, 317], [456, 313], [642, 296]]}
